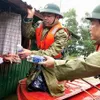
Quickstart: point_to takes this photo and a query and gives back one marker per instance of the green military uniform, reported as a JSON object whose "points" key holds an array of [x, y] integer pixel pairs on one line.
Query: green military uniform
{"points": [[60, 41], [78, 68]]}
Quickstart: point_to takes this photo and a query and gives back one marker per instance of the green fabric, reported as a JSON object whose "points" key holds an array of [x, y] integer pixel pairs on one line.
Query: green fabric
{"points": [[95, 13], [51, 8], [55, 88], [61, 39], [78, 68]]}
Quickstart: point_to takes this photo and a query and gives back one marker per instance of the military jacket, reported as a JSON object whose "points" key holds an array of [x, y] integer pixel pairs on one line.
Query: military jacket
{"points": [[78, 68], [61, 39]]}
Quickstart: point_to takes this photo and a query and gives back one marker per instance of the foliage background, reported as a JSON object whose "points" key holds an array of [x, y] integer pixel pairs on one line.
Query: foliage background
{"points": [[82, 45]]}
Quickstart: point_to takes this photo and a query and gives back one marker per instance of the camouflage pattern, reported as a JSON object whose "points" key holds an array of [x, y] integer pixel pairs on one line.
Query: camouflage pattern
{"points": [[61, 39], [78, 68]]}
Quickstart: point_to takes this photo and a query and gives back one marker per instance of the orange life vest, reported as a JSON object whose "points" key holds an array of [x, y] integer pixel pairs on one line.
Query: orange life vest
{"points": [[49, 38]]}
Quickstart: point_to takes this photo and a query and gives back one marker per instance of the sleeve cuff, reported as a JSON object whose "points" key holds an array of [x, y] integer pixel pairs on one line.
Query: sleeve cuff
{"points": [[27, 20], [59, 62]]}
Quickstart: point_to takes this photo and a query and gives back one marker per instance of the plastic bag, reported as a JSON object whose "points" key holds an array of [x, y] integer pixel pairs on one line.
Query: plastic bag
{"points": [[39, 83]]}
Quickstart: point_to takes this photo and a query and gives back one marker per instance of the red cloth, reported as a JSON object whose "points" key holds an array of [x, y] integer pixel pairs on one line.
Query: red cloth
{"points": [[23, 94]]}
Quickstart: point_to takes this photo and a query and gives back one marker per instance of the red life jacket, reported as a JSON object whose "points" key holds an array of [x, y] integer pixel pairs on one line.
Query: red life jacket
{"points": [[98, 47], [49, 38]]}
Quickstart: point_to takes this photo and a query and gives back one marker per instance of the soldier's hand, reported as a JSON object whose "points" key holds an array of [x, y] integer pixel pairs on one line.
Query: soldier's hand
{"points": [[31, 13], [24, 53], [49, 62]]}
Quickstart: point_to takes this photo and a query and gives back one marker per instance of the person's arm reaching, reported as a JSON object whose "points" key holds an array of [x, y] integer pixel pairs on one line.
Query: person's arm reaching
{"points": [[73, 69]]}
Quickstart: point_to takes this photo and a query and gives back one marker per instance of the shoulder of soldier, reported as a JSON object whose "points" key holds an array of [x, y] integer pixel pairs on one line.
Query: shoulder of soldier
{"points": [[62, 31]]}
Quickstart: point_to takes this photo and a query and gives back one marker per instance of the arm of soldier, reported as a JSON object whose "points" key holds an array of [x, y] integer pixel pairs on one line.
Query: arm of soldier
{"points": [[61, 39], [51, 62], [27, 29], [78, 68]]}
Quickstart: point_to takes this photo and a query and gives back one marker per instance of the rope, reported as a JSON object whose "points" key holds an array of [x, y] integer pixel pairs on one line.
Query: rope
{"points": [[88, 94], [91, 84], [93, 97]]}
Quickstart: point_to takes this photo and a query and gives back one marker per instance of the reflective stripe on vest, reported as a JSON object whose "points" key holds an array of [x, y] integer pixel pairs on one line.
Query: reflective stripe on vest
{"points": [[49, 38]]}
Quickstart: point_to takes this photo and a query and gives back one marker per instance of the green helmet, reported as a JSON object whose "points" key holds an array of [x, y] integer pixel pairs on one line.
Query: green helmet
{"points": [[51, 8], [95, 13]]}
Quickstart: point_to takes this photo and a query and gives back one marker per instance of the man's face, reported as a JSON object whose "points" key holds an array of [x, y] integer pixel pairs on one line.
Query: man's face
{"points": [[48, 19], [95, 30]]}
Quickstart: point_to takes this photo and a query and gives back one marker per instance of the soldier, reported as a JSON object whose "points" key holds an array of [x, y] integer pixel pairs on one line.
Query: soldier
{"points": [[51, 38], [78, 68], [50, 35]]}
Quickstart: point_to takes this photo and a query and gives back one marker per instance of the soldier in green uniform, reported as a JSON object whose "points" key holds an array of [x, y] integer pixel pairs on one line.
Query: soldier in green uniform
{"points": [[51, 15], [51, 37], [80, 68]]}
